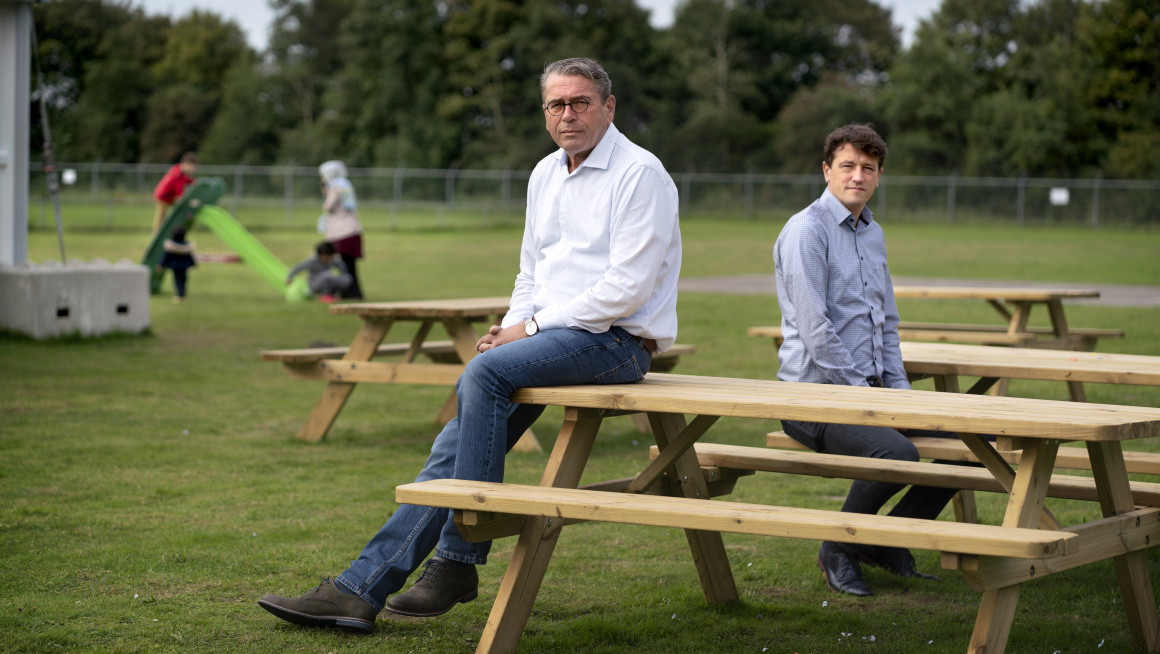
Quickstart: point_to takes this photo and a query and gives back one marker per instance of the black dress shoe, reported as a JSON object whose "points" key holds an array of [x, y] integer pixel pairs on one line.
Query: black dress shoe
{"points": [[325, 606], [442, 584], [841, 571], [895, 560]]}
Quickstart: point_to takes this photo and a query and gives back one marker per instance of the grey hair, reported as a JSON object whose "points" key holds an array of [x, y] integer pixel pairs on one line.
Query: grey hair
{"points": [[578, 66]]}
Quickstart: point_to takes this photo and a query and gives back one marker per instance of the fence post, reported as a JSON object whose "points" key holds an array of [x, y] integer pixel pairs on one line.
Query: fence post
{"points": [[1096, 199], [449, 190], [237, 189], [951, 196], [1020, 197], [96, 179], [393, 223], [506, 191], [288, 193], [881, 196], [749, 196]]}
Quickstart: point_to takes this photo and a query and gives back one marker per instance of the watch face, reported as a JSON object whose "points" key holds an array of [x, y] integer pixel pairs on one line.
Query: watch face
{"points": [[530, 328]]}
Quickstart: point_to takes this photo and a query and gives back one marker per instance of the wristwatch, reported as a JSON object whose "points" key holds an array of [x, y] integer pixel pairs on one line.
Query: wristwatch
{"points": [[530, 327]]}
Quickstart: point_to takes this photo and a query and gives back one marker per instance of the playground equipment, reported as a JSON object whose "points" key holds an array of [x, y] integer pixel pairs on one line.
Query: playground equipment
{"points": [[199, 203]]}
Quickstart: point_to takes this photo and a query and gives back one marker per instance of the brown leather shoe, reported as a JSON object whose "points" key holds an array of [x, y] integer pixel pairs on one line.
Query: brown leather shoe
{"points": [[442, 584], [325, 606]]}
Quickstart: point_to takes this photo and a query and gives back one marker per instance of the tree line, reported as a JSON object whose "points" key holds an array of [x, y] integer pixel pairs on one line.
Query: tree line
{"points": [[1067, 88]]}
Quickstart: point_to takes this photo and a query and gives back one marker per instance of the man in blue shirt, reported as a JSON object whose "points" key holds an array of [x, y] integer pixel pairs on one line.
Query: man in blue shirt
{"points": [[595, 298], [840, 326]]}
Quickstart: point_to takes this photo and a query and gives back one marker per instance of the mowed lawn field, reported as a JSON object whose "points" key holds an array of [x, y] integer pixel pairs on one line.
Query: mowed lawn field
{"points": [[152, 488]]}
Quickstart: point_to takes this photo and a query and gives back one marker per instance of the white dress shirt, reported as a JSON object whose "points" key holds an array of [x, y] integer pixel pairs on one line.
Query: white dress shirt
{"points": [[602, 245]]}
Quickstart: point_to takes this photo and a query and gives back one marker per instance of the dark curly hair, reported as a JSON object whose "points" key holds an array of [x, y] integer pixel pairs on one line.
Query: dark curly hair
{"points": [[862, 137]]}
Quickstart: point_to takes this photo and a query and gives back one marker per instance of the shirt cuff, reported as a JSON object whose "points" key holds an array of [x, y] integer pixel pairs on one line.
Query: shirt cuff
{"points": [[552, 317]]}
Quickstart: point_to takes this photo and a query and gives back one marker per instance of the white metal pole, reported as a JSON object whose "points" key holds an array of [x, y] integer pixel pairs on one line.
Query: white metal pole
{"points": [[15, 44]]}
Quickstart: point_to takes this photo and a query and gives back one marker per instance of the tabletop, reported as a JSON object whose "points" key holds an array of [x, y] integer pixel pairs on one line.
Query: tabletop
{"points": [[1027, 363], [991, 293], [479, 307], [956, 412]]}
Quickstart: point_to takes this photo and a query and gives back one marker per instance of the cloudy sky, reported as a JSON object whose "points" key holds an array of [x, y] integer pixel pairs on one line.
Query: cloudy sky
{"points": [[254, 16]]}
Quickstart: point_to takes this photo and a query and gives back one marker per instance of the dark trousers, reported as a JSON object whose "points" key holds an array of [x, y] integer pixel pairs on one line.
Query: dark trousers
{"points": [[354, 291], [179, 277], [924, 502]]}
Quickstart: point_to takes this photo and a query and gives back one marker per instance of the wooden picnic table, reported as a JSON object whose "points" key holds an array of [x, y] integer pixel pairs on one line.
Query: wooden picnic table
{"points": [[946, 362], [995, 560], [345, 367], [1014, 306], [355, 365]]}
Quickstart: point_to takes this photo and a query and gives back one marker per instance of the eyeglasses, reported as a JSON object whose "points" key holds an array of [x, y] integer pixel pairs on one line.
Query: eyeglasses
{"points": [[556, 107]]}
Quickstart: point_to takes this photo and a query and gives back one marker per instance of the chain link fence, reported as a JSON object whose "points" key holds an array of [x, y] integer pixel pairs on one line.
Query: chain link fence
{"points": [[119, 196]]}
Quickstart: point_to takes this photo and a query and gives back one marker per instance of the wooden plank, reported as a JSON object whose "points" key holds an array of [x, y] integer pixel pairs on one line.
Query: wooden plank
{"points": [[532, 553], [322, 416], [440, 374], [1097, 541], [477, 309], [830, 403], [1029, 363], [1038, 331], [435, 348], [734, 517], [952, 449], [898, 472], [938, 336], [313, 354], [479, 526], [680, 444], [1131, 568], [706, 546], [989, 293]]}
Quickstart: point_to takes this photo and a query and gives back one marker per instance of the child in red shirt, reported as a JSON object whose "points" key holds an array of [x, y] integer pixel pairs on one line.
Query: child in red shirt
{"points": [[172, 185]]}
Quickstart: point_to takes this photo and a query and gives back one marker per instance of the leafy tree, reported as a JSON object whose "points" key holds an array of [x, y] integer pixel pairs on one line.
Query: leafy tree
{"points": [[959, 55], [95, 55], [744, 60], [386, 94], [246, 127], [813, 113], [306, 57], [1123, 39], [199, 49]]}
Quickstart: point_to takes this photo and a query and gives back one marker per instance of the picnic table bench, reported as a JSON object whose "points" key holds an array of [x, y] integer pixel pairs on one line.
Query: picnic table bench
{"points": [[994, 559], [345, 367], [945, 363]]}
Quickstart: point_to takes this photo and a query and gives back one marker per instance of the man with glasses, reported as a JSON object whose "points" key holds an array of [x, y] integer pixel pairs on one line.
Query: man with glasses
{"points": [[594, 299], [840, 325]]}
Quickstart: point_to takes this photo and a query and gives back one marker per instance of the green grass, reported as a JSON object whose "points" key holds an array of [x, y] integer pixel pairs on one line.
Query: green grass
{"points": [[151, 488]]}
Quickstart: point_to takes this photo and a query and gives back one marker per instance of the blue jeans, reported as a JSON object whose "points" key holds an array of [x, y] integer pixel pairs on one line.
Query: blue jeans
{"points": [[472, 446]]}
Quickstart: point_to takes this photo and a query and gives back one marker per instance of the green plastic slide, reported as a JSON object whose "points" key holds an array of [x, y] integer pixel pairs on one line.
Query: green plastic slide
{"points": [[197, 204], [252, 252]]}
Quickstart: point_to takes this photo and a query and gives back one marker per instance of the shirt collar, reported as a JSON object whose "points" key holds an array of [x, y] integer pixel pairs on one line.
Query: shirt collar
{"points": [[839, 213], [601, 154]]}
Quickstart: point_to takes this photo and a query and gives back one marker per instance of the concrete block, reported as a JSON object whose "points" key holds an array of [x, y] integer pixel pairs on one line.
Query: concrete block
{"points": [[87, 299]]}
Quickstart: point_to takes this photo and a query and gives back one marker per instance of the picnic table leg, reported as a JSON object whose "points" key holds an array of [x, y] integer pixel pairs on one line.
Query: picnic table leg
{"points": [[1024, 509], [1063, 333], [1017, 323], [1132, 569], [369, 336], [707, 547], [533, 551], [1003, 473]]}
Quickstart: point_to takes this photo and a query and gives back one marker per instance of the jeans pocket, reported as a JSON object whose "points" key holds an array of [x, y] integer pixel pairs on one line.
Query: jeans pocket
{"points": [[626, 373]]}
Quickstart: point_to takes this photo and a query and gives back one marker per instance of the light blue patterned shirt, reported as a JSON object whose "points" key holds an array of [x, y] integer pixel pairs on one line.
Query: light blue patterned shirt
{"points": [[838, 315]]}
